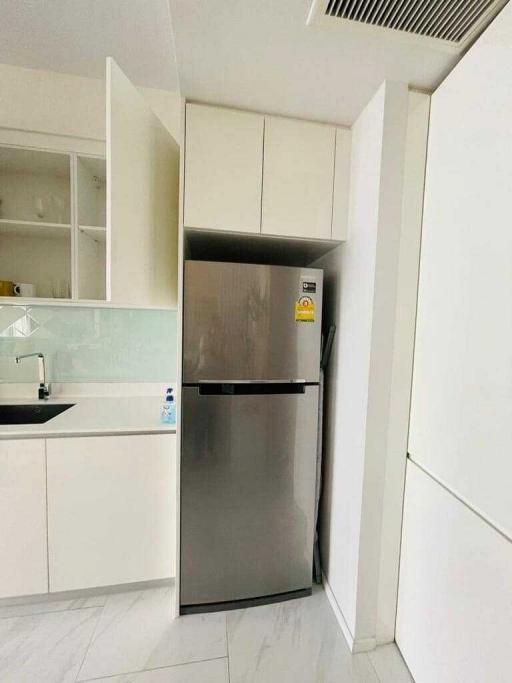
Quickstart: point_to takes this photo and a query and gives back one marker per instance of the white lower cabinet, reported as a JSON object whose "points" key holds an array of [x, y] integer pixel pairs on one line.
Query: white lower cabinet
{"points": [[23, 550], [111, 510]]}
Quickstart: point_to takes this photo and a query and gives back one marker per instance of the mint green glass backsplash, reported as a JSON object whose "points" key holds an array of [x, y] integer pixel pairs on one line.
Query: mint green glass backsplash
{"points": [[88, 344]]}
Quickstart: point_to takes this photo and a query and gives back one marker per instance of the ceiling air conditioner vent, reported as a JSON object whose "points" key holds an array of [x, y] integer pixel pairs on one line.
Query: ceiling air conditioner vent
{"points": [[454, 22]]}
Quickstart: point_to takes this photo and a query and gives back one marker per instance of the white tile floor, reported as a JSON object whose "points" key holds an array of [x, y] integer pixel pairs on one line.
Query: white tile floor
{"points": [[130, 638]]}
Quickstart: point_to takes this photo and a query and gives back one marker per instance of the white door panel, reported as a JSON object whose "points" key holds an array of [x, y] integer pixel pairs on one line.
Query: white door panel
{"points": [[223, 168], [298, 178]]}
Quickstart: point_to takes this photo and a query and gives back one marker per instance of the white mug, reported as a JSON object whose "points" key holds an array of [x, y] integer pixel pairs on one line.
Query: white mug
{"points": [[24, 289]]}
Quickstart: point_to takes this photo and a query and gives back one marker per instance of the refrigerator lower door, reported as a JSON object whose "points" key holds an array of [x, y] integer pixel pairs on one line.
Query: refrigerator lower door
{"points": [[247, 494]]}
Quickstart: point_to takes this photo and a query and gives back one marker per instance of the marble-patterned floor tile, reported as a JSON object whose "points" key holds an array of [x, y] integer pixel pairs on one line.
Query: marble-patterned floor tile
{"points": [[136, 632], [45, 648], [389, 665], [211, 671], [297, 641], [24, 608]]}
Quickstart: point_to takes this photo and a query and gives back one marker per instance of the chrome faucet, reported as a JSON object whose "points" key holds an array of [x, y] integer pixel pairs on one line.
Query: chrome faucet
{"points": [[44, 389]]}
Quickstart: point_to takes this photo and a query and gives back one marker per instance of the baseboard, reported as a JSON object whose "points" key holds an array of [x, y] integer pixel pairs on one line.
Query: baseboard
{"points": [[355, 644], [83, 593], [364, 645]]}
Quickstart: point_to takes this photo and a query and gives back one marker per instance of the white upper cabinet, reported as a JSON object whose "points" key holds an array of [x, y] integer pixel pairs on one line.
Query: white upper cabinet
{"points": [[223, 169], [75, 226], [250, 173], [298, 178], [142, 199]]}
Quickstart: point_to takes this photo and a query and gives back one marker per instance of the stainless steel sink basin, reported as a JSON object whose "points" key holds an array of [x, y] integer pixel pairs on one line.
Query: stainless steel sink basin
{"points": [[33, 413]]}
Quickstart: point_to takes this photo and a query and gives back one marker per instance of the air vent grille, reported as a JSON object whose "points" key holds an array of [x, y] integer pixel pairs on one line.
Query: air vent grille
{"points": [[448, 20]]}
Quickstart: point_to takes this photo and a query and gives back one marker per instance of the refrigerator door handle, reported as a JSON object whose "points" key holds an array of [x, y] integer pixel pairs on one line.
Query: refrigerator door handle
{"points": [[228, 388], [253, 381]]}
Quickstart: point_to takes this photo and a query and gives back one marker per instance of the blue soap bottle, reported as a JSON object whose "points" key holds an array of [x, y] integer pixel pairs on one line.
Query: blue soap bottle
{"points": [[168, 413]]}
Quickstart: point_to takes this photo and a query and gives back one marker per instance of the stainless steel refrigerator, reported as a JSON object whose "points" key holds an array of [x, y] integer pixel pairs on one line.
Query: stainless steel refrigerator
{"points": [[251, 362]]}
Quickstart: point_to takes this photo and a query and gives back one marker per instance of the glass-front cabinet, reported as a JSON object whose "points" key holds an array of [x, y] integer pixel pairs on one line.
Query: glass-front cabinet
{"points": [[64, 237], [91, 235], [52, 224]]}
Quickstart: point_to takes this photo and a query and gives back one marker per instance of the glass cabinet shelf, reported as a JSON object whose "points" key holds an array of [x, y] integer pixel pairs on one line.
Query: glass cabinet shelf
{"points": [[52, 222]]}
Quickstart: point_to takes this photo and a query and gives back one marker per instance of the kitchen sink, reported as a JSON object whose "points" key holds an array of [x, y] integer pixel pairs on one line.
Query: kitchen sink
{"points": [[32, 413]]}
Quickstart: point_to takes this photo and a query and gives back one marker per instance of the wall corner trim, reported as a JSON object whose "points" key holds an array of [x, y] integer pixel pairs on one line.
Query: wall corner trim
{"points": [[355, 644]]}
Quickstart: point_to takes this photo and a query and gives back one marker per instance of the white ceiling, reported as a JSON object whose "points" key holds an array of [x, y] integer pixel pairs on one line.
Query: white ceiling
{"points": [[259, 54], [75, 36], [254, 54]]}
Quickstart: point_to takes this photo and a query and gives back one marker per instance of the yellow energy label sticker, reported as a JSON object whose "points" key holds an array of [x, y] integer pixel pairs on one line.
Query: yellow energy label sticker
{"points": [[305, 310]]}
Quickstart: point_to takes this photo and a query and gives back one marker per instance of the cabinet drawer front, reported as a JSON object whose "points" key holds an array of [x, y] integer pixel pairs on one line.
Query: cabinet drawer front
{"points": [[223, 166]]}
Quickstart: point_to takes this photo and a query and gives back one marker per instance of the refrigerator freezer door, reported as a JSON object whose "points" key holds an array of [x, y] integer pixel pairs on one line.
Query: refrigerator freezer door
{"points": [[251, 322], [247, 494]]}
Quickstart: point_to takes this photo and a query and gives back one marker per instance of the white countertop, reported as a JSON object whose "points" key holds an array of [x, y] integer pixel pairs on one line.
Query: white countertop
{"points": [[93, 416]]}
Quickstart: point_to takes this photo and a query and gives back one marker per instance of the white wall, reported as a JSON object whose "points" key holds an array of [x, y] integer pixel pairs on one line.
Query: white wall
{"points": [[462, 393], [370, 302], [62, 104], [462, 409], [403, 352]]}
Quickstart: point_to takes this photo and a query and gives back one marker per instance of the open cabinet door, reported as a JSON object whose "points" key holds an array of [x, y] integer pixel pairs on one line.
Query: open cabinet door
{"points": [[142, 199]]}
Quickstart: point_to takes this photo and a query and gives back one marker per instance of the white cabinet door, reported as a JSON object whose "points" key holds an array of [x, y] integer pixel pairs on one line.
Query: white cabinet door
{"points": [[223, 167], [111, 510], [23, 549], [298, 176], [142, 199], [454, 606], [340, 201]]}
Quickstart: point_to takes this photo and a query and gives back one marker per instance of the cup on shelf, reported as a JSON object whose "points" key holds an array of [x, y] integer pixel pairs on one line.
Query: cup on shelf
{"points": [[24, 289], [6, 288]]}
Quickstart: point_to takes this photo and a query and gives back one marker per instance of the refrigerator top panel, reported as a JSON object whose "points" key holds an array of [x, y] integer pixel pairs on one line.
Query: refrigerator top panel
{"points": [[245, 322]]}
